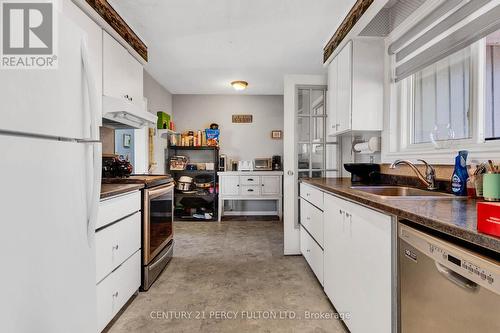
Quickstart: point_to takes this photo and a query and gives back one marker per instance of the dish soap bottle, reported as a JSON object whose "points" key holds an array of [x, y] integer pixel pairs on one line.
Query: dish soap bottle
{"points": [[460, 174]]}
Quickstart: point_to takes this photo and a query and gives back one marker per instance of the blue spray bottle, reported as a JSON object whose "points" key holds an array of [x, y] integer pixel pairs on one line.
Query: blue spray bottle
{"points": [[460, 174]]}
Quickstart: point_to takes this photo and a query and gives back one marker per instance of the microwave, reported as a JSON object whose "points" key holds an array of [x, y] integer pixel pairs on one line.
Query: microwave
{"points": [[263, 164]]}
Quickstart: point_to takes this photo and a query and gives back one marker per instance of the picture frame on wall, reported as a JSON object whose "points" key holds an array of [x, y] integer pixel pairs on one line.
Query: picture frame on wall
{"points": [[276, 134], [127, 140]]}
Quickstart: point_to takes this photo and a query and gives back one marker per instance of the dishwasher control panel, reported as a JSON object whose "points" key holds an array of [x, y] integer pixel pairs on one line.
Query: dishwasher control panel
{"points": [[474, 267], [463, 265]]}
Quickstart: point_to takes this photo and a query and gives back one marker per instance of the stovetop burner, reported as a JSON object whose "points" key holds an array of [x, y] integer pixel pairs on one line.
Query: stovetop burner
{"points": [[147, 180]]}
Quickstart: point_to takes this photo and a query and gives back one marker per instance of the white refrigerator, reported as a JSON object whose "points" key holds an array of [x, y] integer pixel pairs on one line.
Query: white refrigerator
{"points": [[50, 178]]}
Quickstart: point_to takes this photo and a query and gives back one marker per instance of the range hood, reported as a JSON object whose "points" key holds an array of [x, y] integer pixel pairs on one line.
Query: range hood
{"points": [[121, 113]]}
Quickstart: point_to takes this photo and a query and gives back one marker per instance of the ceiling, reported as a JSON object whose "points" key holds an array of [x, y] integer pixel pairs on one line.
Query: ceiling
{"points": [[200, 46]]}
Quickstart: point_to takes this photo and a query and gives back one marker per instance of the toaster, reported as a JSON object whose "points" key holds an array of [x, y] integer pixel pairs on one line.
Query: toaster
{"points": [[245, 165]]}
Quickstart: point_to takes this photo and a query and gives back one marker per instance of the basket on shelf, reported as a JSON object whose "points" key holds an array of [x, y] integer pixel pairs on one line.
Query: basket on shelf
{"points": [[178, 163]]}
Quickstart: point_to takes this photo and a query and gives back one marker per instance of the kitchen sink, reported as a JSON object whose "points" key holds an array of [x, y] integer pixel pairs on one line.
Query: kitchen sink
{"points": [[402, 192]]}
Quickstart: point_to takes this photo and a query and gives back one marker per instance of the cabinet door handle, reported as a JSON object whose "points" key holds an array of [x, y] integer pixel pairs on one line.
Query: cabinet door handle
{"points": [[250, 179], [115, 247], [250, 190], [115, 294], [341, 212]]}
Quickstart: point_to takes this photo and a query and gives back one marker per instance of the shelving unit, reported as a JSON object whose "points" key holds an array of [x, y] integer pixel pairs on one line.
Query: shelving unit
{"points": [[164, 133], [210, 198]]}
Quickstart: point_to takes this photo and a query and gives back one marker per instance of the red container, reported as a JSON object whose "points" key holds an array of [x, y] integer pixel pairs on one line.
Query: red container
{"points": [[488, 218]]}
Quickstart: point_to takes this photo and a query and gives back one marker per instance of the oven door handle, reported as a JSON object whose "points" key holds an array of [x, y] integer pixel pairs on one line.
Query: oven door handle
{"points": [[154, 192], [160, 260]]}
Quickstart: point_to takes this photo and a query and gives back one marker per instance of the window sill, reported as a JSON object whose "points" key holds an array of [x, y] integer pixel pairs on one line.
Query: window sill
{"points": [[482, 152]]}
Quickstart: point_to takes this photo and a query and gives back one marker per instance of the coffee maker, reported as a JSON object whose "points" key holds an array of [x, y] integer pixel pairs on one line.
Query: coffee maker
{"points": [[276, 162]]}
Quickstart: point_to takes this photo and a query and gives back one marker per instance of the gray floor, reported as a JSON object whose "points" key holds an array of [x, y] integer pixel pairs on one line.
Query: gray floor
{"points": [[230, 267]]}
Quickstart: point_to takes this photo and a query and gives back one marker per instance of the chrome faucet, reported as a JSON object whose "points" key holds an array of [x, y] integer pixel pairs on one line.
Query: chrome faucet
{"points": [[430, 174]]}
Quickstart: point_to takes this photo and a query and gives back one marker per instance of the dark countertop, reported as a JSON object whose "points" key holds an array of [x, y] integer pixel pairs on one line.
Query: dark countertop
{"points": [[109, 190], [453, 217]]}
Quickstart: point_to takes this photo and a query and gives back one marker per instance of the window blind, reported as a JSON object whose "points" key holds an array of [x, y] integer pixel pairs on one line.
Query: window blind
{"points": [[460, 24]]}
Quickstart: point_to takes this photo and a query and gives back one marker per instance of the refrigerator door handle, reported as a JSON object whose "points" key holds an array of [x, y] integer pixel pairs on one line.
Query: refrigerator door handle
{"points": [[94, 190], [93, 107]]}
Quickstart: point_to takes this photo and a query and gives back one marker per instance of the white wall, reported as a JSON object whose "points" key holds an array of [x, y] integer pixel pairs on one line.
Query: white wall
{"points": [[237, 141], [159, 99]]}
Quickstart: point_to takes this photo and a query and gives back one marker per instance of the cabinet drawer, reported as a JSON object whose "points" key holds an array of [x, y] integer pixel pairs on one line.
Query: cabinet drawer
{"points": [[116, 289], [311, 194], [312, 253], [249, 180], [118, 207], [116, 243], [311, 218], [250, 190]]}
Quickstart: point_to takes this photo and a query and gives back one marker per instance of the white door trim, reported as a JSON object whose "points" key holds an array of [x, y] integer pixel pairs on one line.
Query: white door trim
{"points": [[290, 203]]}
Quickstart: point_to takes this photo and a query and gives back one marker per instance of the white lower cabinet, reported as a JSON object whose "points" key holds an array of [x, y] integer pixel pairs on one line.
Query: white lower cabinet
{"points": [[312, 252], [113, 209], [117, 288], [311, 218], [358, 264], [116, 243], [118, 254], [312, 194], [271, 185], [250, 186]]}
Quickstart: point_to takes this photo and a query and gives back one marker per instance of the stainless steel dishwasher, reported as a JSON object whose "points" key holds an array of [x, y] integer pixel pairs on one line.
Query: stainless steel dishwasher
{"points": [[444, 287]]}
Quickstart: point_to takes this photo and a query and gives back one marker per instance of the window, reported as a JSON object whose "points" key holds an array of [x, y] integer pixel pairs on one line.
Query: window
{"points": [[444, 84], [440, 101], [492, 114], [317, 154]]}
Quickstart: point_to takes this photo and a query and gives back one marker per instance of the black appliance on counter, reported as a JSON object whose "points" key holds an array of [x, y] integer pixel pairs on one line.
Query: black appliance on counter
{"points": [[363, 173], [157, 222], [116, 166], [276, 163]]}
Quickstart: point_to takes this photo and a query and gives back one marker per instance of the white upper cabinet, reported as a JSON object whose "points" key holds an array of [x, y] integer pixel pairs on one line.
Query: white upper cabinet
{"points": [[356, 87], [333, 70], [122, 73]]}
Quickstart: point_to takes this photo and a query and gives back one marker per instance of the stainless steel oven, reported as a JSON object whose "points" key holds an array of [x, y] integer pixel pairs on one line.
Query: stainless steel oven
{"points": [[157, 237]]}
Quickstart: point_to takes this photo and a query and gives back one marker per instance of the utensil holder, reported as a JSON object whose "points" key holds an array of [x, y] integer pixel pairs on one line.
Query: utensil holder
{"points": [[478, 183], [491, 186]]}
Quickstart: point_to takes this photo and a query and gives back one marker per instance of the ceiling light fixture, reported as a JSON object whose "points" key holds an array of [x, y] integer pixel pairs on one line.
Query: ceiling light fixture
{"points": [[239, 85]]}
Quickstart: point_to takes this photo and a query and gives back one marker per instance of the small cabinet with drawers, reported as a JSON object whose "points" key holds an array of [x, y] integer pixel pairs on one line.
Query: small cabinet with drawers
{"points": [[118, 254], [311, 228], [250, 185], [349, 248]]}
